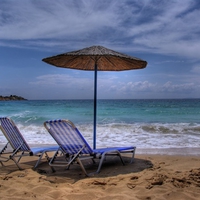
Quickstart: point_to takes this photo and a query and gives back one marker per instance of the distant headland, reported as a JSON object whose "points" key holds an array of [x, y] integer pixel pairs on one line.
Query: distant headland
{"points": [[11, 98]]}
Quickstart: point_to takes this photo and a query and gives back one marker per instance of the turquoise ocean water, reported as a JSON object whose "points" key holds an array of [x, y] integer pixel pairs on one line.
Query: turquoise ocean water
{"points": [[147, 124]]}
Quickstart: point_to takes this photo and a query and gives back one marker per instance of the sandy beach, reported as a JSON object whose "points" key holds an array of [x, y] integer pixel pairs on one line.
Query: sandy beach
{"points": [[156, 177]]}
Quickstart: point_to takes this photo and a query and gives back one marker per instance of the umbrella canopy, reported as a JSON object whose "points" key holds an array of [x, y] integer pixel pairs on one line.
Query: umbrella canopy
{"points": [[96, 58], [105, 59]]}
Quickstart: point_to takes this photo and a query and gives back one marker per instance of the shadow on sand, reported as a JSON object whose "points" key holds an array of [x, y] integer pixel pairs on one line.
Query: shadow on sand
{"points": [[111, 167]]}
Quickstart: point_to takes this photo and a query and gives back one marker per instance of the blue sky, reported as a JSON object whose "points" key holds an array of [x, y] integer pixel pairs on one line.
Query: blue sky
{"points": [[164, 33]]}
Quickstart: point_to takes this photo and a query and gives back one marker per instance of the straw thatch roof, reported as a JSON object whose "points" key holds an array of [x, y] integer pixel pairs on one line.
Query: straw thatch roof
{"points": [[105, 59]]}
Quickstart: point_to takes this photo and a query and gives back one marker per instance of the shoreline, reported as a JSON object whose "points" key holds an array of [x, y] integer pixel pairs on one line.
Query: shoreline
{"points": [[187, 151]]}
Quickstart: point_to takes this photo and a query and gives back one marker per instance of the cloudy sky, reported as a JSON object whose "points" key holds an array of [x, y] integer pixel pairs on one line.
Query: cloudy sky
{"points": [[164, 33]]}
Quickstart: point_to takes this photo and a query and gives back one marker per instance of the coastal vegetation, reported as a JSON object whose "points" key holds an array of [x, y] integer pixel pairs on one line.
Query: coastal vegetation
{"points": [[11, 98]]}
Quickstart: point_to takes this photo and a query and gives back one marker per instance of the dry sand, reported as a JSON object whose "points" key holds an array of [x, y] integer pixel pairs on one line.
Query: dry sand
{"points": [[150, 177]]}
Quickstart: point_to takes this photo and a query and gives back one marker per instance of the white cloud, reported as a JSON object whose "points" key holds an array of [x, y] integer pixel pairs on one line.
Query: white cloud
{"points": [[187, 87], [109, 86], [172, 31], [63, 81], [139, 86], [168, 27], [154, 88], [43, 20]]}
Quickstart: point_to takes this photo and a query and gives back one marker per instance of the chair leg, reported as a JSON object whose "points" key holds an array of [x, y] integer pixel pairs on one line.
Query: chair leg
{"points": [[100, 163], [39, 160], [20, 156], [16, 163], [104, 156], [133, 154], [53, 158], [48, 160], [82, 167], [10, 157], [52, 164], [118, 153]]}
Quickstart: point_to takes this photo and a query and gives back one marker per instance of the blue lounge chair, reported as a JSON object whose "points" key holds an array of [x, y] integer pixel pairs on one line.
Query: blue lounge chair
{"points": [[75, 148], [19, 145]]}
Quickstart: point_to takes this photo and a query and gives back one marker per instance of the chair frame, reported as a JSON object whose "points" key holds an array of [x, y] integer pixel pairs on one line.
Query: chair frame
{"points": [[19, 145], [84, 151]]}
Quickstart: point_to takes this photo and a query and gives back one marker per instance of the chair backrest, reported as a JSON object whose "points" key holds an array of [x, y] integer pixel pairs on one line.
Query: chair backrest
{"points": [[67, 136], [13, 134]]}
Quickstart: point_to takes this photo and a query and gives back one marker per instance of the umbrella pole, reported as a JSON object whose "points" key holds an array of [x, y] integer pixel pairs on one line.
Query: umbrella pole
{"points": [[95, 106]]}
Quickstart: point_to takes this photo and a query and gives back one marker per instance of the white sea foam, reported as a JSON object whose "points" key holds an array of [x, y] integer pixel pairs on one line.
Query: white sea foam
{"points": [[144, 136]]}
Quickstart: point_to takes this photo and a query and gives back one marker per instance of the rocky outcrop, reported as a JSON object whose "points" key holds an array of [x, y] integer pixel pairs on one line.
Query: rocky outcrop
{"points": [[11, 98]]}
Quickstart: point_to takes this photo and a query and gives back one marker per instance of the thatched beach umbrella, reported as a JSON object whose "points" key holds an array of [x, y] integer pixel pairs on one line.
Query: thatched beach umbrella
{"points": [[96, 58]]}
